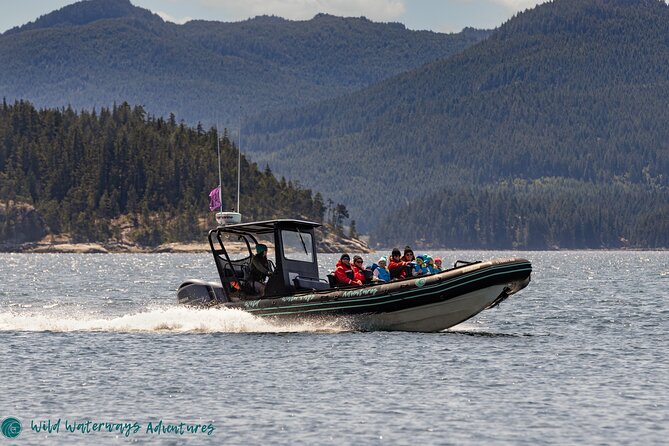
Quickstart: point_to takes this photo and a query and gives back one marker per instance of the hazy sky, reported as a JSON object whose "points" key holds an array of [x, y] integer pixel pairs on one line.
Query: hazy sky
{"points": [[436, 15]]}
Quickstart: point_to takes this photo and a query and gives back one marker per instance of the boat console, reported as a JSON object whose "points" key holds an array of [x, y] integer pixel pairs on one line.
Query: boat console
{"points": [[295, 267]]}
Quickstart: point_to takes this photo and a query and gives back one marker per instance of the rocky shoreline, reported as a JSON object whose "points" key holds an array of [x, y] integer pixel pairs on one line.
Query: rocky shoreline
{"points": [[182, 248], [24, 231], [103, 248], [329, 243]]}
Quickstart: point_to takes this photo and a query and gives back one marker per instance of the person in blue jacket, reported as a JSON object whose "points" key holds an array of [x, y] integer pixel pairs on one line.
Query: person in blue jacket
{"points": [[431, 267], [420, 269], [381, 272]]}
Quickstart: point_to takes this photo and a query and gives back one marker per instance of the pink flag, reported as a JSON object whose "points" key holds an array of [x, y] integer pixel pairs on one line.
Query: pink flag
{"points": [[215, 199]]}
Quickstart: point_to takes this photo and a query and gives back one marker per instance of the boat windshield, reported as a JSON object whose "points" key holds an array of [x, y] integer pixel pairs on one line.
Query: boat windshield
{"points": [[297, 246], [242, 247]]}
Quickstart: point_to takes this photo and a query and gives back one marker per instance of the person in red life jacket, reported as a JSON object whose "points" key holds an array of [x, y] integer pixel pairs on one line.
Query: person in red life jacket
{"points": [[344, 273], [358, 268], [396, 266]]}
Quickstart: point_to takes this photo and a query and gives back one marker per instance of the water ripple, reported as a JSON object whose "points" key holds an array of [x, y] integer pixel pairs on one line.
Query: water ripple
{"points": [[579, 357]]}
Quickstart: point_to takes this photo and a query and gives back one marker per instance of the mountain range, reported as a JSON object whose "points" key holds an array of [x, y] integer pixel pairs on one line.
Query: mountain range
{"points": [[548, 132], [572, 89], [97, 52]]}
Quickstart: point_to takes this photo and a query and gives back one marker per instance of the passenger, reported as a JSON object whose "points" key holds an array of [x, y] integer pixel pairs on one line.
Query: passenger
{"points": [[396, 266], [408, 256], [420, 268], [260, 269], [344, 273], [359, 272], [431, 267], [381, 272], [437, 262]]}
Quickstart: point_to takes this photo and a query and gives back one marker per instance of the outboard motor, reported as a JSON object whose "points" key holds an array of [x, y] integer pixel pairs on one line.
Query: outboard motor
{"points": [[200, 293]]}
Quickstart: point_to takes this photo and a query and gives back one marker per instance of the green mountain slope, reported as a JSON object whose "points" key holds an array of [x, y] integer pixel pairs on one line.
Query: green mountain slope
{"points": [[572, 89], [96, 52], [82, 171]]}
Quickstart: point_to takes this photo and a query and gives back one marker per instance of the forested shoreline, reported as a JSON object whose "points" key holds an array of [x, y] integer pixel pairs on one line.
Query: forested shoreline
{"points": [[121, 174], [90, 174], [547, 213]]}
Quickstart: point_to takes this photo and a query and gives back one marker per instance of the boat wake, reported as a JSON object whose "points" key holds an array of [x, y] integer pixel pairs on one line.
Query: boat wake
{"points": [[175, 319]]}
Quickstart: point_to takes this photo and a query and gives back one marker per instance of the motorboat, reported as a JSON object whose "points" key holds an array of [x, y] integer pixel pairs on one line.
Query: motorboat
{"points": [[295, 290]]}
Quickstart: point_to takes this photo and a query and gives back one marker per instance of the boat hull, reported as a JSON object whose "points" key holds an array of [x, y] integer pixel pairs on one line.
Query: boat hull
{"points": [[437, 316], [427, 303]]}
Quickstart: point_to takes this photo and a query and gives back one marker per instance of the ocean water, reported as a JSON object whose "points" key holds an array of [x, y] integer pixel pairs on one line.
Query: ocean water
{"points": [[581, 356]]}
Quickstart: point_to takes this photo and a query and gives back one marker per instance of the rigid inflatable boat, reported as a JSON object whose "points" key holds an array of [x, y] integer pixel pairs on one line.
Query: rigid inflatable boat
{"points": [[295, 291]]}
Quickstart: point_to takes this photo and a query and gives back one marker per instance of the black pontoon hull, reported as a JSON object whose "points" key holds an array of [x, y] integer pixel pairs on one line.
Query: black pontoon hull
{"points": [[426, 303]]}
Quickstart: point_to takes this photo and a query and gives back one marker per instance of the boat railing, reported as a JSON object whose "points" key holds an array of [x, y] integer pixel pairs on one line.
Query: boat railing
{"points": [[231, 272]]}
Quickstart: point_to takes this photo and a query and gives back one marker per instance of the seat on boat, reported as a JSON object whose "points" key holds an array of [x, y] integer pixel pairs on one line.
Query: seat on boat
{"points": [[367, 274], [275, 285], [237, 271], [237, 275]]}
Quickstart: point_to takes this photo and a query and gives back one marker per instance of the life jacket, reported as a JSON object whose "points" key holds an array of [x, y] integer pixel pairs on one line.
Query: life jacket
{"points": [[397, 269], [420, 270], [346, 274], [362, 274], [383, 273]]}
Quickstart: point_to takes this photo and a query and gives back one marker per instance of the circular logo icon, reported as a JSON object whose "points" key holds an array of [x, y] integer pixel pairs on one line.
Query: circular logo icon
{"points": [[420, 282], [11, 427]]}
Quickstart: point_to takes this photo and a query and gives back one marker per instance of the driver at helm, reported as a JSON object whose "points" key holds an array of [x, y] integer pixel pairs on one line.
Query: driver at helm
{"points": [[260, 269]]}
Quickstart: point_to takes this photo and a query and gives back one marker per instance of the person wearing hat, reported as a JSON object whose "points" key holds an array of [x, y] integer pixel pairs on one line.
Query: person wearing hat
{"points": [[359, 269], [345, 274], [260, 269], [420, 268], [437, 263], [431, 267], [408, 256], [381, 272]]}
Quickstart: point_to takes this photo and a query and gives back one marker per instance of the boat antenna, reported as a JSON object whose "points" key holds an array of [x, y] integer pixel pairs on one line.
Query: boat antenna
{"points": [[226, 218], [220, 182], [239, 161]]}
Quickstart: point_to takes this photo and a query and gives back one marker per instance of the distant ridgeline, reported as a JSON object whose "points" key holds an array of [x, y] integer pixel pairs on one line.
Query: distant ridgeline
{"points": [[569, 97], [84, 171], [97, 52]]}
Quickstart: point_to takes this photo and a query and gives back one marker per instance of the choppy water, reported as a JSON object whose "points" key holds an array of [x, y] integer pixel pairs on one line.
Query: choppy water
{"points": [[578, 357]]}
